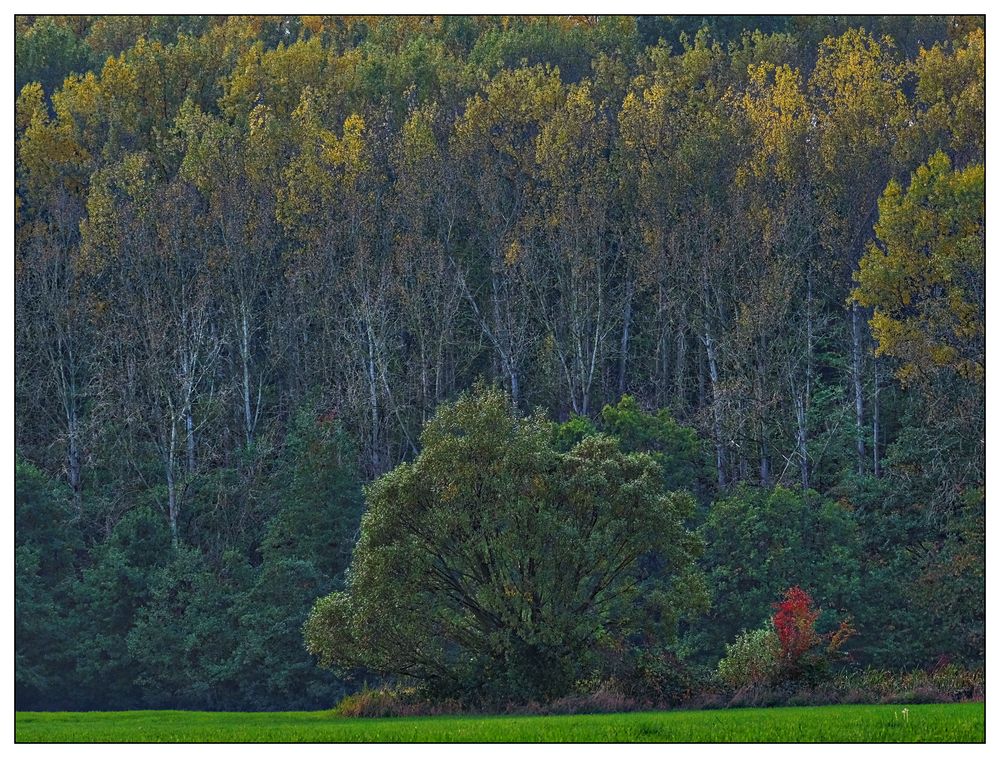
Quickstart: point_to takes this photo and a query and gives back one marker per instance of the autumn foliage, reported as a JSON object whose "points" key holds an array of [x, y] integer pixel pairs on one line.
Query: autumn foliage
{"points": [[795, 622], [802, 648]]}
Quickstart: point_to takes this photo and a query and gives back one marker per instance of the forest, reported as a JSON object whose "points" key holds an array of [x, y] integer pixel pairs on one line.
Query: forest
{"points": [[265, 267]]}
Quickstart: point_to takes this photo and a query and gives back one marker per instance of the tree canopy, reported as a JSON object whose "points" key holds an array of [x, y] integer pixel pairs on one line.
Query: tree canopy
{"points": [[495, 564]]}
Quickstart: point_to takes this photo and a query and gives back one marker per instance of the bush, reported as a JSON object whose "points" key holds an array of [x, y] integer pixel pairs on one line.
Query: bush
{"points": [[789, 650], [751, 660], [648, 674], [866, 687], [802, 654], [386, 702]]}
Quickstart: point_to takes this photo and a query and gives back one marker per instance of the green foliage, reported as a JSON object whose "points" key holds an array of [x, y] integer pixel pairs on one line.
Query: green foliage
{"points": [[106, 600], [751, 660], [181, 635], [47, 52], [759, 542], [317, 495], [569, 433], [269, 665], [677, 449], [491, 564], [46, 541]]}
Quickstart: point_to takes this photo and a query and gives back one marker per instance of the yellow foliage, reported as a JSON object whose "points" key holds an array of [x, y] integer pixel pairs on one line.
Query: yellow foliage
{"points": [[924, 278]]}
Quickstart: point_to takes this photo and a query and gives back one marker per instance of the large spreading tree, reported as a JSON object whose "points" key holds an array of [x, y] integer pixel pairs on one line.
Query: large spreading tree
{"points": [[497, 566]]}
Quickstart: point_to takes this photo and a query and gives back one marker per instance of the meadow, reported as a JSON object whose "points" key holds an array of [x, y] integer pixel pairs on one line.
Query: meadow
{"points": [[956, 722]]}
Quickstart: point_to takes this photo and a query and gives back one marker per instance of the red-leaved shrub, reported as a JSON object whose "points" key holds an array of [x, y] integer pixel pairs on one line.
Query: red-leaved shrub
{"points": [[801, 652]]}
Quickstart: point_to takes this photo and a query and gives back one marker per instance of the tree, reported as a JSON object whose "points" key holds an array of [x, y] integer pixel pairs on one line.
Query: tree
{"points": [[46, 546], [492, 565], [107, 600], [269, 666], [183, 635], [318, 497], [46, 52], [861, 111], [925, 275], [678, 450]]}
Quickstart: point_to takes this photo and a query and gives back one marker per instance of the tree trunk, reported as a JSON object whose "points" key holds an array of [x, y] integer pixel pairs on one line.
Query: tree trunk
{"points": [[73, 457], [877, 464], [765, 460], [680, 367], [173, 503], [189, 429], [802, 440], [249, 422], [626, 325], [713, 375], [859, 410], [373, 402]]}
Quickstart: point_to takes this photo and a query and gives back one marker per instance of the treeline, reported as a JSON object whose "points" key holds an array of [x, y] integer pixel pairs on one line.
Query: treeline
{"points": [[253, 255]]}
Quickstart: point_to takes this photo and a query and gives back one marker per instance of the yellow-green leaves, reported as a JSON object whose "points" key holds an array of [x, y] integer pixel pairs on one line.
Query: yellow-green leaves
{"points": [[779, 118], [924, 277], [325, 193], [951, 93], [856, 86], [515, 102]]}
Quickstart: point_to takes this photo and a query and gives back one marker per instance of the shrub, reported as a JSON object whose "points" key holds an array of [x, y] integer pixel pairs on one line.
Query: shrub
{"points": [[802, 653], [751, 660], [387, 702], [651, 674], [789, 650]]}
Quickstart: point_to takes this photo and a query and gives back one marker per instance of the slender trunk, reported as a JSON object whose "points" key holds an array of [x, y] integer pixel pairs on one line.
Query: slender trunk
{"points": [[173, 504], [73, 457], [759, 404], [626, 325], [809, 335], [680, 366], [189, 429], [660, 373], [713, 373], [802, 440], [187, 376], [424, 378], [439, 373], [877, 464], [248, 418], [765, 460], [701, 384], [504, 341], [373, 401], [859, 411], [66, 372]]}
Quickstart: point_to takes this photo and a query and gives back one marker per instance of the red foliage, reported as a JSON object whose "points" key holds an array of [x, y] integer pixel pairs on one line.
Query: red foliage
{"points": [[795, 622]]}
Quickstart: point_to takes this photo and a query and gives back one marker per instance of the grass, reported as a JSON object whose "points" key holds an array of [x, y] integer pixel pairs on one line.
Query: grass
{"points": [[959, 722]]}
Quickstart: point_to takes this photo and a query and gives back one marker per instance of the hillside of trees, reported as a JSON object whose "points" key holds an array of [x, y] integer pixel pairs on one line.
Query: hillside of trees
{"points": [[255, 255]]}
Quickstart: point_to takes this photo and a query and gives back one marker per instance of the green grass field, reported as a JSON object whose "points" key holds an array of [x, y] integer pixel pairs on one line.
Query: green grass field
{"points": [[964, 722]]}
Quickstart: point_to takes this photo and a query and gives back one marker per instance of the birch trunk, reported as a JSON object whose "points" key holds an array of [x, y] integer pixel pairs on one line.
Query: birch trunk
{"points": [[859, 410], [626, 325]]}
